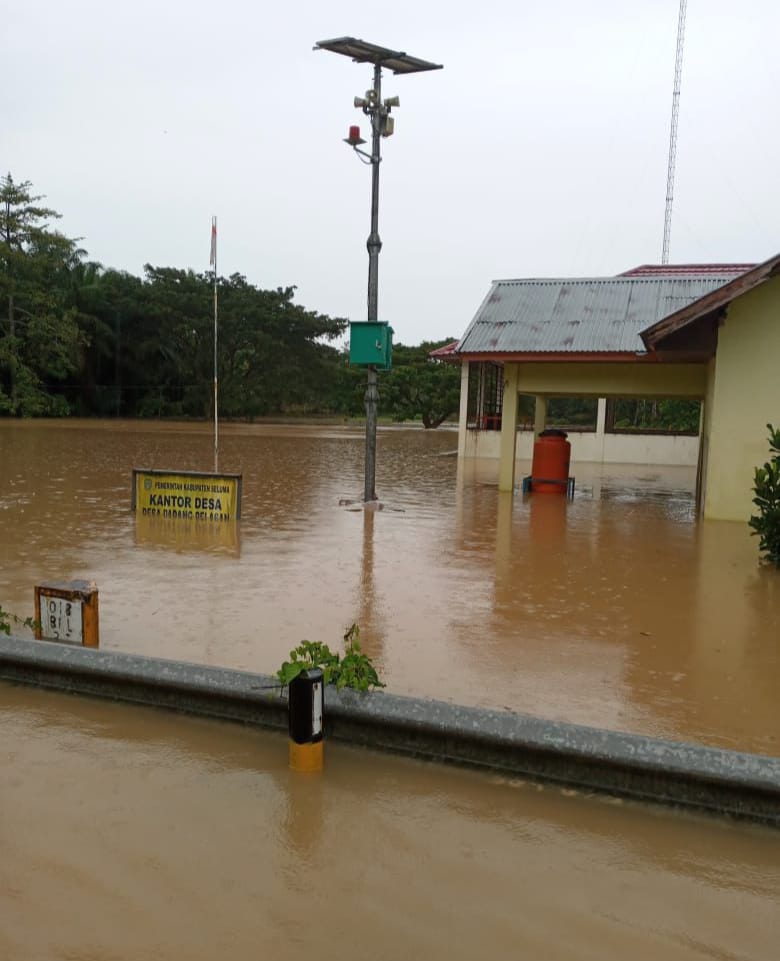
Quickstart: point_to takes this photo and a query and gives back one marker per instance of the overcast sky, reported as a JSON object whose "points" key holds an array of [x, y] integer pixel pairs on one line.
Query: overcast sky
{"points": [[539, 150]]}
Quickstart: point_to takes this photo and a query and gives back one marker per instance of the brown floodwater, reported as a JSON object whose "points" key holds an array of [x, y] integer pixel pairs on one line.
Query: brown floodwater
{"points": [[128, 833], [617, 609]]}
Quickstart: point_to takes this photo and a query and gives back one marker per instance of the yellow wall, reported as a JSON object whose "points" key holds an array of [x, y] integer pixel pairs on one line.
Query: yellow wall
{"points": [[745, 391], [616, 379]]}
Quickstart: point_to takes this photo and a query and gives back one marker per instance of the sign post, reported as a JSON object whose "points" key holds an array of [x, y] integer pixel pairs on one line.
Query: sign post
{"points": [[186, 495], [67, 611]]}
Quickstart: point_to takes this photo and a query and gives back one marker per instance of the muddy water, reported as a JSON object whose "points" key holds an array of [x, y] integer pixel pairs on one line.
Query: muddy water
{"points": [[128, 833], [618, 609]]}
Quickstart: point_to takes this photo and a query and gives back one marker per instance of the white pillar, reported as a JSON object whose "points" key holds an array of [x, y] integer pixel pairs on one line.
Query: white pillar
{"points": [[506, 464], [540, 414], [463, 416], [707, 411], [601, 427]]}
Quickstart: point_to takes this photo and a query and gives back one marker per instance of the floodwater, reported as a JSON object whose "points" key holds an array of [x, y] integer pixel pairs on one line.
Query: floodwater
{"points": [[618, 609], [127, 833]]}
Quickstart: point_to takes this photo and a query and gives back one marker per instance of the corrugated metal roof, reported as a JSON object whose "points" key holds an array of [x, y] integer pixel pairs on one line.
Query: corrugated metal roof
{"points": [[714, 300], [588, 315]]}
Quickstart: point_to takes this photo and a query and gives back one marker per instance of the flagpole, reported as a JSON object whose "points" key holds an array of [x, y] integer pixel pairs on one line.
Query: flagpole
{"points": [[216, 410]]}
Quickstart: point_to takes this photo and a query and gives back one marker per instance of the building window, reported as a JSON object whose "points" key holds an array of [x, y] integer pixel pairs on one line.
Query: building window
{"points": [[578, 414], [627, 415], [486, 396]]}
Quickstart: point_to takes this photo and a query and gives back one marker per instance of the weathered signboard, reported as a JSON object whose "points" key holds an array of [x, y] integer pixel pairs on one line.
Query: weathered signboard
{"points": [[186, 495], [67, 611]]}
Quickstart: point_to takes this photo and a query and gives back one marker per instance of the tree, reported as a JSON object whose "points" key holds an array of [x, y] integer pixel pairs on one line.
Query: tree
{"points": [[150, 346], [41, 340], [274, 353], [88, 295], [346, 387], [77, 337], [421, 387], [766, 490], [661, 415]]}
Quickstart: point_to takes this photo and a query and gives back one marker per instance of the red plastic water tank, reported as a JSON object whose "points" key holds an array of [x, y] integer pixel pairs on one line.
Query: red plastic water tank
{"points": [[552, 454]]}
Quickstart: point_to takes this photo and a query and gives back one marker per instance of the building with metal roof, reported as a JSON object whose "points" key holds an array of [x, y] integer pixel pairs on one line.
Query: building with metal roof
{"points": [[707, 332], [592, 315]]}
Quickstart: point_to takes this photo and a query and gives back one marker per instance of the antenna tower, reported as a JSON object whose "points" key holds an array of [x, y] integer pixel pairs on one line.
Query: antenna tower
{"points": [[673, 132]]}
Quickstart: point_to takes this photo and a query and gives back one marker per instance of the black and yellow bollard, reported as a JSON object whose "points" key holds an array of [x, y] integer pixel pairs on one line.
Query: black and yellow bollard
{"points": [[305, 720]]}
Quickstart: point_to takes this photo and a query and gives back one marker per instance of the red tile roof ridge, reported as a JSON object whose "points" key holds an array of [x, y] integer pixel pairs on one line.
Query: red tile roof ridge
{"points": [[444, 351], [677, 269]]}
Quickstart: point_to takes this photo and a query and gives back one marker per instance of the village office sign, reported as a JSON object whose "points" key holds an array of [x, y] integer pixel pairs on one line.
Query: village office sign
{"points": [[186, 495]]}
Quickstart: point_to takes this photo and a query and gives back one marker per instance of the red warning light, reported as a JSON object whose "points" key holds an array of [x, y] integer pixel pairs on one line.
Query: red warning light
{"points": [[354, 139]]}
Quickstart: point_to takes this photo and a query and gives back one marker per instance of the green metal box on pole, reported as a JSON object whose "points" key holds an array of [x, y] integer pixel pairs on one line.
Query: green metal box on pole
{"points": [[371, 344]]}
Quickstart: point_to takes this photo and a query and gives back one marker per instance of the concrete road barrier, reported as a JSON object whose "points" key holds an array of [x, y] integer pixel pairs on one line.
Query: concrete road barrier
{"points": [[688, 775]]}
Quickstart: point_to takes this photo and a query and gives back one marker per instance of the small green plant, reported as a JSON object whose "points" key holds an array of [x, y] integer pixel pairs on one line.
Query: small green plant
{"points": [[7, 619], [354, 669], [306, 655], [766, 488]]}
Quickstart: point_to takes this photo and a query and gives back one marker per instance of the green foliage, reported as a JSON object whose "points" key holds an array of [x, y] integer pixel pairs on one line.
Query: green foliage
{"points": [[354, 669], [571, 412], [347, 387], [306, 655], [7, 619], [153, 349], [766, 488], [416, 389], [420, 387], [661, 415], [627, 414], [78, 338], [41, 339]]}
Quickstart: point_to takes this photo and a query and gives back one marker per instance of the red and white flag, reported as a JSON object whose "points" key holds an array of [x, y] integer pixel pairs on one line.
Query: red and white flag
{"points": [[213, 257]]}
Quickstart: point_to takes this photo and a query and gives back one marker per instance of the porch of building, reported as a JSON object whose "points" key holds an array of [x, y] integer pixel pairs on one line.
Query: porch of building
{"points": [[600, 434], [704, 333]]}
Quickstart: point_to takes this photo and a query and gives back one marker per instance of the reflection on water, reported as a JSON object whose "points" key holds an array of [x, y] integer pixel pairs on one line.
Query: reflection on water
{"points": [[618, 608], [178, 838], [183, 535]]}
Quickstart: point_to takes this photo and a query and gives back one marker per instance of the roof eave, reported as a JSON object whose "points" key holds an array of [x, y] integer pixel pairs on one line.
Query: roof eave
{"points": [[715, 300], [556, 356]]}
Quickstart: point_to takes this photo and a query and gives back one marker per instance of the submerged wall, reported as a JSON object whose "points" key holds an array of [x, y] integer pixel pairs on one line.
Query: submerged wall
{"points": [[591, 447]]}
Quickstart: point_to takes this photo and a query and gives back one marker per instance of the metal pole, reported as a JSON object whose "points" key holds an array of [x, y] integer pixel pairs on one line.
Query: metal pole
{"points": [[374, 245], [117, 377], [216, 415]]}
